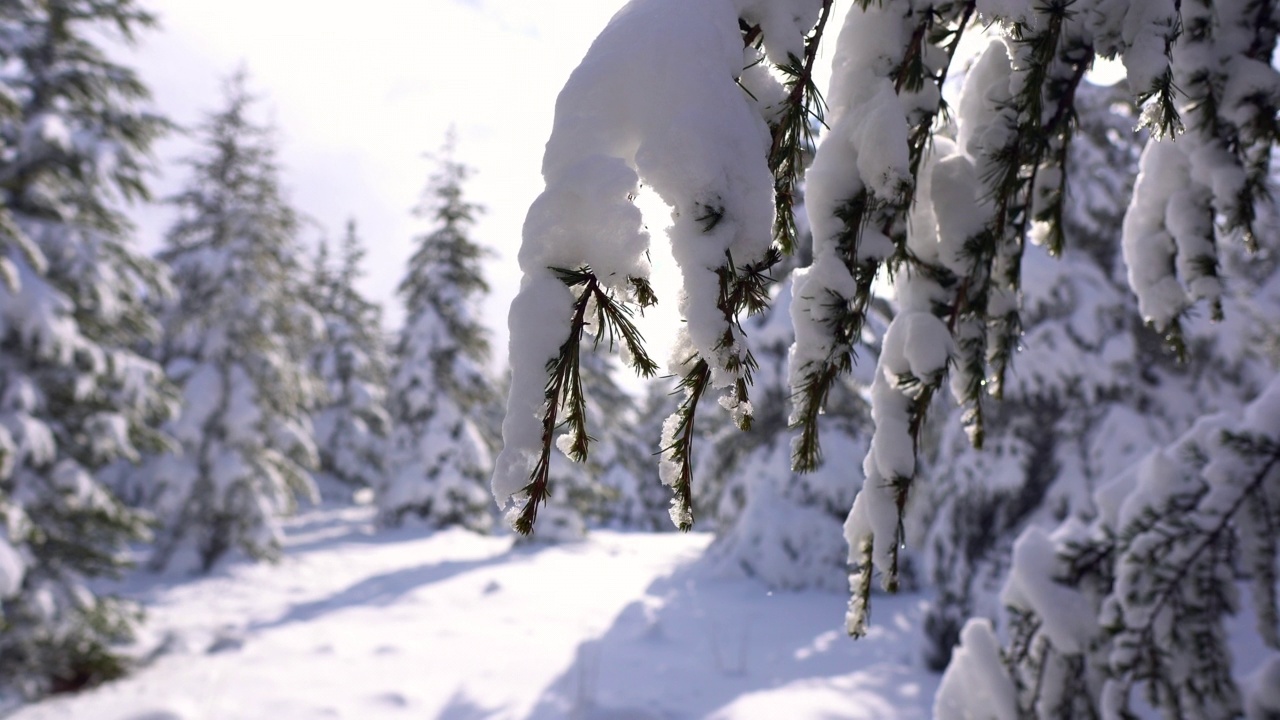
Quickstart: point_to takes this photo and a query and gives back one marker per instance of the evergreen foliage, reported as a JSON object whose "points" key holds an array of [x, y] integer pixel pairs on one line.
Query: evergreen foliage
{"points": [[604, 487], [771, 522], [565, 388], [947, 200], [74, 395], [237, 341], [1093, 391], [633, 499], [439, 387], [1081, 374], [1139, 596], [351, 422]]}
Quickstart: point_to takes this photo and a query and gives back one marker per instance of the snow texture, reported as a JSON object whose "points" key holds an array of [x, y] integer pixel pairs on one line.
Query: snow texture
{"points": [[974, 686], [12, 568], [1150, 248], [1263, 699], [864, 151], [624, 625]]}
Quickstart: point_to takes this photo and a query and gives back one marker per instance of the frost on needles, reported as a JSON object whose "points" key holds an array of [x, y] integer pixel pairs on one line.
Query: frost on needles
{"points": [[938, 192]]}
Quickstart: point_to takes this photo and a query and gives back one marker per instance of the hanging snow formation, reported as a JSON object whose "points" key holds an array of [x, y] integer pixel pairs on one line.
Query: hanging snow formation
{"points": [[694, 99], [656, 101]]}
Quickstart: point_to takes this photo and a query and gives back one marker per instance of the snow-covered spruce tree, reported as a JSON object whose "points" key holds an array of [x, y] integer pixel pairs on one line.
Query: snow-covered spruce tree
{"points": [[439, 386], [1137, 585], [1093, 390], [236, 341], [682, 96], [351, 422], [74, 395], [1139, 596], [633, 497]]}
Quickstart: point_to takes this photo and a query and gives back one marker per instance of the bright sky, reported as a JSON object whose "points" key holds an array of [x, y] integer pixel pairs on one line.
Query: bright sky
{"points": [[359, 92]]}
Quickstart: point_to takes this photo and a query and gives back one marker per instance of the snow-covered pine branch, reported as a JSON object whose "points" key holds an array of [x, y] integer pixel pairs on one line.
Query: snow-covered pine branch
{"points": [[885, 94], [958, 260], [941, 202], [677, 96], [1140, 596], [1071, 416], [1208, 182]]}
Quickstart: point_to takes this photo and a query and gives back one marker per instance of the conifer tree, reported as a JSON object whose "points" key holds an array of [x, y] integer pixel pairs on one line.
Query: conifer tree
{"points": [[1125, 593], [1130, 607], [351, 423], [236, 342], [74, 395], [439, 386], [632, 498]]}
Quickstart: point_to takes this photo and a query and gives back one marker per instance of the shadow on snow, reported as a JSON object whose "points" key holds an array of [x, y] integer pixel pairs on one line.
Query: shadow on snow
{"points": [[461, 707], [380, 590], [702, 645]]}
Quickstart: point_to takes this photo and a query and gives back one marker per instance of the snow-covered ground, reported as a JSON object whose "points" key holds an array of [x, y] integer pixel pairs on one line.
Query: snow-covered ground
{"points": [[454, 626]]}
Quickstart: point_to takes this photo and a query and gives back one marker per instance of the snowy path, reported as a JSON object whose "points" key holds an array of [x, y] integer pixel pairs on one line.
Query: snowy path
{"points": [[453, 626]]}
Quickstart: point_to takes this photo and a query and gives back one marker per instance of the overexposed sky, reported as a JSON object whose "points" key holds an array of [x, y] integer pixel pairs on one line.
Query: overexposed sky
{"points": [[360, 92]]}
